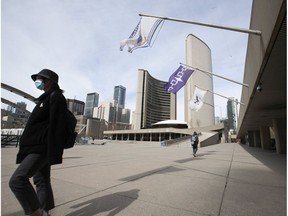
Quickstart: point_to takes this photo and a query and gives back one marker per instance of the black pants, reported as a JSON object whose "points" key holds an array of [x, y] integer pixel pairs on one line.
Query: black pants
{"points": [[195, 148], [36, 166]]}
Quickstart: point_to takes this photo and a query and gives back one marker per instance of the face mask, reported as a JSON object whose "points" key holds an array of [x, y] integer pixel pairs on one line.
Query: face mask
{"points": [[39, 84]]}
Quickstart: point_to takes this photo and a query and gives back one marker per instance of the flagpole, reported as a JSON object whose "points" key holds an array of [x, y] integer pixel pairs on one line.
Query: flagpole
{"points": [[249, 31], [243, 84], [236, 101]]}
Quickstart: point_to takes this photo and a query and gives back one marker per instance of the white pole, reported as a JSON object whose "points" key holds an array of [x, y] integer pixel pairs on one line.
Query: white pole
{"points": [[236, 101], [249, 31], [243, 84]]}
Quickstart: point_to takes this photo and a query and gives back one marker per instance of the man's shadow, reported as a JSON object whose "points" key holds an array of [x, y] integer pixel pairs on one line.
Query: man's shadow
{"points": [[113, 202]]}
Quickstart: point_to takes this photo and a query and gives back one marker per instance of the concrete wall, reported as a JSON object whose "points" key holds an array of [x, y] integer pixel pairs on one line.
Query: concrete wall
{"points": [[207, 139], [198, 55], [264, 17]]}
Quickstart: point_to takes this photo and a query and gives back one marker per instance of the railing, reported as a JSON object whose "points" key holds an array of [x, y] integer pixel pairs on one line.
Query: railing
{"points": [[175, 141], [9, 139]]}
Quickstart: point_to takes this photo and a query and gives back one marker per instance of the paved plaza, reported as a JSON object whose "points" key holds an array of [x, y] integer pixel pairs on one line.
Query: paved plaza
{"points": [[143, 179]]}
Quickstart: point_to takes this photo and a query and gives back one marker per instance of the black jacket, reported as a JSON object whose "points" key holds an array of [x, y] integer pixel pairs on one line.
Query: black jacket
{"points": [[45, 129]]}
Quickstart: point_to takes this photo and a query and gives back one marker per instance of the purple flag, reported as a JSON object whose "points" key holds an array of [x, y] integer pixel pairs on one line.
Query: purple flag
{"points": [[178, 79]]}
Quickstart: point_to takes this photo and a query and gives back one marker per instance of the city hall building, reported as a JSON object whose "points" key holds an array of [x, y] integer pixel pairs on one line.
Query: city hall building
{"points": [[262, 119], [153, 102]]}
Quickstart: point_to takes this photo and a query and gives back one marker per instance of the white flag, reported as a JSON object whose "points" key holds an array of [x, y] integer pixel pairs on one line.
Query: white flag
{"points": [[198, 99], [142, 34]]}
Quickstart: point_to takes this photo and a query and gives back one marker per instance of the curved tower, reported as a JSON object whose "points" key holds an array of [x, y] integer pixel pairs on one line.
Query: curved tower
{"points": [[153, 102], [198, 55]]}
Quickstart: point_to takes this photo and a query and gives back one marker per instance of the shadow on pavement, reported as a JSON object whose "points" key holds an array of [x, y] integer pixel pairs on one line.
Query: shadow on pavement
{"points": [[198, 157], [276, 162], [161, 170], [112, 203]]}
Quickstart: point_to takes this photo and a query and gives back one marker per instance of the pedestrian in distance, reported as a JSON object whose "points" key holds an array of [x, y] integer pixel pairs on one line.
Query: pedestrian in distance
{"points": [[40, 146], [194, 143]]}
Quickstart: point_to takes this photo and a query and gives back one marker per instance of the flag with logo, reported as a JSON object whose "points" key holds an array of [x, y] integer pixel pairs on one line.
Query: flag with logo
{"points": [[198, 99], [178, 79], [142, 35]]}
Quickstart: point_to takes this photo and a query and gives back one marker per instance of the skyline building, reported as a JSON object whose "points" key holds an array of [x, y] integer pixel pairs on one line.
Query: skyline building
{"points": [[21, 105], [231, 114], [92, 100], [120, 95], [75, 106], [153, 102], [19, 110], [115, 116]]}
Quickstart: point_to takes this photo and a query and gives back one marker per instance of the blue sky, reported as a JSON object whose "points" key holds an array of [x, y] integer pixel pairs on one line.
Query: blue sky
{"points": [[80, 39]]}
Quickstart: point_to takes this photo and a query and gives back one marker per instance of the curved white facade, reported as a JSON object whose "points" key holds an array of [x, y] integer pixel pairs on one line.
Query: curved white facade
{"points": [[153, 102], [198, 55]]}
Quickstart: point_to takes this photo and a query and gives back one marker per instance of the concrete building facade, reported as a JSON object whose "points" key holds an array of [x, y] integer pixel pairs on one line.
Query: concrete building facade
{"points": [[198, 55], [265, 101], [116, 117], [153, 102], [75, 106]]}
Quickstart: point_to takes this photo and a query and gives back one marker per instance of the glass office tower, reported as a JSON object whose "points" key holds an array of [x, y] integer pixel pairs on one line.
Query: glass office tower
{"points": [[92, 101], [119, 95]]}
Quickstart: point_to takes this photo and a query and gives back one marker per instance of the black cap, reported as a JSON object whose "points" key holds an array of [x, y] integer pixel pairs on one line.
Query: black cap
{"points": [[46, 73]]}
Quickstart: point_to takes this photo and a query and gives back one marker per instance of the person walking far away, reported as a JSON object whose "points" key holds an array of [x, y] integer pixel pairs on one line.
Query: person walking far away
{"points": [[41, 145], [194, 143]]}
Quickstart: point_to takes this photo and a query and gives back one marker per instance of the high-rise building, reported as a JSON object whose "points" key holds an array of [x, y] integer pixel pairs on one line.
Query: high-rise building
{"points": [[20, 107], [75, 106], [115, 116], [10, 109], [153, 102], [92, 101], [104, 111], [231, 114], [119, 95], [125, 116], [111, 113], [198, 55]]}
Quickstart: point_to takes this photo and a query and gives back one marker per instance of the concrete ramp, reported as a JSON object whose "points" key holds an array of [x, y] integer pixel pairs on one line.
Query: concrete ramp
{"points": [[208, 138], [205, 139]]}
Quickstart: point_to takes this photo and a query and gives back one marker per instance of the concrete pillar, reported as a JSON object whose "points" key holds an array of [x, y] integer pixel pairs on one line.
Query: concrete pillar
{"points": [[280, 131], [265, 137], [257, 140], [251, 139]]}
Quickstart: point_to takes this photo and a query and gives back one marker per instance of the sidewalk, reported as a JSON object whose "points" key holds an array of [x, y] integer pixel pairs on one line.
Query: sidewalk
{"points": [[143, 179]]}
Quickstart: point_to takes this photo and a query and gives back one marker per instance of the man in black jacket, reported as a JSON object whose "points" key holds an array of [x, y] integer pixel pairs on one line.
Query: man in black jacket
{"points": [[41, 145]]}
